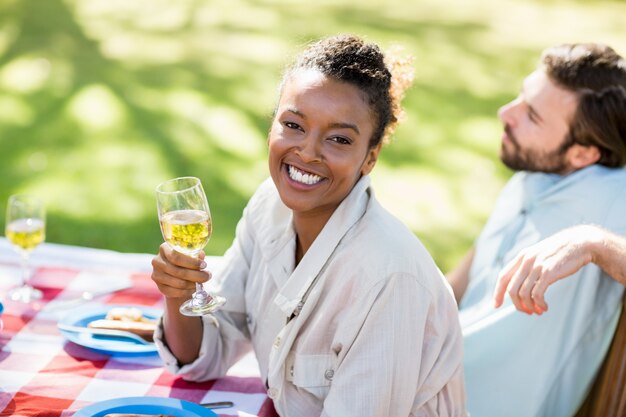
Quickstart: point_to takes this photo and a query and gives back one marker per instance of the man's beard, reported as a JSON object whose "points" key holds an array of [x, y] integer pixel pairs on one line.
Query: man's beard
{"points": [[519, 159]]}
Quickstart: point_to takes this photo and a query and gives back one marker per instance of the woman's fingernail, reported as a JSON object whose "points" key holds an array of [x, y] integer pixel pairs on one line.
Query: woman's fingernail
{"points": [[202, 265]]}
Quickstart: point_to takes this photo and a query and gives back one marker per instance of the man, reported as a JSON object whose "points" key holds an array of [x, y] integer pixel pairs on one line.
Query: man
{"points": [[566, 135]]}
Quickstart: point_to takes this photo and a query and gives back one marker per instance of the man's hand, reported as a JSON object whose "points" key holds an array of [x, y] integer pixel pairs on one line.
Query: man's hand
{"points": [[527, 277]]}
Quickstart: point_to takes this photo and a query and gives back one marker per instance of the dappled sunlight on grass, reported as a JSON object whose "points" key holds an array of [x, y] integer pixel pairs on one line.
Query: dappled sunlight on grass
{"points": [[116, 181], [214, 119], [100, 100], [96, 107], [24, 74], [15, 111]]}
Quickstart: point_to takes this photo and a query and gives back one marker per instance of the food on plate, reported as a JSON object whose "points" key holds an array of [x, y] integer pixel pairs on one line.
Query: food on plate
{"points": [[128, 319], [125, 314]]}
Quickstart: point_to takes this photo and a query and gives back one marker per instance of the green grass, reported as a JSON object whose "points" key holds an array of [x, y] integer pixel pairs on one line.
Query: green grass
{"points": [[102, 100]]}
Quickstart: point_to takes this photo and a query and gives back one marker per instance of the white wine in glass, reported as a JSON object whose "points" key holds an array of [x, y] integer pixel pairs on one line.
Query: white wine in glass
{"points": [[25, 229], [186, 225]]}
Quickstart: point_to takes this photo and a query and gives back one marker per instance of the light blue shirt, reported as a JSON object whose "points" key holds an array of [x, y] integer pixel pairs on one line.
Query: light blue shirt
{"points": [[532, 366]]}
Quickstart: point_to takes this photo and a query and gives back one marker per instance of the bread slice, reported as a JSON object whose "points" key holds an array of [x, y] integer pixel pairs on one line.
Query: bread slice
{"points": [[128, 319], [142, 329]]}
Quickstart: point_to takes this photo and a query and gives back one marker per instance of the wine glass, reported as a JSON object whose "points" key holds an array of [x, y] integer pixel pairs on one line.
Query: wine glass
{"points": [[186, 225], [25, 229]]}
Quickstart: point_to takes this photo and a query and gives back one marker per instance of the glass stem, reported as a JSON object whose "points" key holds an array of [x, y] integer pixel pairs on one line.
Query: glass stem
{"points": [[200, 297], [25, 268]]}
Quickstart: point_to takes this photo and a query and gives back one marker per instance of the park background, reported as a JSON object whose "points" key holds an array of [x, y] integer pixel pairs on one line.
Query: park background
{"points": [[101, 100]]}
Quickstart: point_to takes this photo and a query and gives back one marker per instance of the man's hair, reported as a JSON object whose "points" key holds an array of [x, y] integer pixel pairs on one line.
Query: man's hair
{"points": [[597, 74]]}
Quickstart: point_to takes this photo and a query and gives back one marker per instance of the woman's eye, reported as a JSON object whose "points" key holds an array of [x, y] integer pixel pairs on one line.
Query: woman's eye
{"points": [[341, 140], [292, 125]]}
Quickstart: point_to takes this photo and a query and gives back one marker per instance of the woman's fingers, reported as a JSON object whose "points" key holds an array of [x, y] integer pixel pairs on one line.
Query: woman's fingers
{"points": [[180, 259], [163, 278], [176, 274]]}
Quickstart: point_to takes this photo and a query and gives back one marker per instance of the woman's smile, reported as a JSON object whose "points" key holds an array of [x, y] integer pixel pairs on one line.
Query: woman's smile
{"points": [[301, 176]]}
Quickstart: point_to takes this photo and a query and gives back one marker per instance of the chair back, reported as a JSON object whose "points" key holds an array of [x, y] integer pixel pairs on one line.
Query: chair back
{"points": [[607, 397]]}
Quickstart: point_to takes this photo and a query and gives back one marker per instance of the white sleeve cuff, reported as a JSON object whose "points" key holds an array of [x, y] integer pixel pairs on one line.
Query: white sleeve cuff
{"points": [[196, 369]]}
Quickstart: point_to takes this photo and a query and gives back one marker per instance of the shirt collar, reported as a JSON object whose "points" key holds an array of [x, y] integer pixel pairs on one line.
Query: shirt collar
{"points": [[350, 210], [538, 186]]}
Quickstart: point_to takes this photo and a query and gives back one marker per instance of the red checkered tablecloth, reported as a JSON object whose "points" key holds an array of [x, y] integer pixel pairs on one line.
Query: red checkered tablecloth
{"points": [[43, 374]]}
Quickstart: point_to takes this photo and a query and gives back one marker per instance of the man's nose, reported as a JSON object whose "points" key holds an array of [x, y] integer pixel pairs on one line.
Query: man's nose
{"points": [[507, 112]]}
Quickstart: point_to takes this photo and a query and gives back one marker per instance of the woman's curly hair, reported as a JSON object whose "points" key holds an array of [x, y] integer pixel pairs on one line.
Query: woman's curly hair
{"points": [[383, 80]]}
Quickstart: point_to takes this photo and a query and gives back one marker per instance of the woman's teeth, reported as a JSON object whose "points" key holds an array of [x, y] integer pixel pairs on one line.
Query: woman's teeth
{"points": [[303, 177]]}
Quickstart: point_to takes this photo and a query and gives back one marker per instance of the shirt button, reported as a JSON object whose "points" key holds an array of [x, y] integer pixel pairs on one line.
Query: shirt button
{"points": [[277, 342], [272, 393], [329, 374]]}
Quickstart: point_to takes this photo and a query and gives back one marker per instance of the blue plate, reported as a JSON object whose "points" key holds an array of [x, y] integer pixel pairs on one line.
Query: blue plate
{"points": [[146, 405], [109, 345]]}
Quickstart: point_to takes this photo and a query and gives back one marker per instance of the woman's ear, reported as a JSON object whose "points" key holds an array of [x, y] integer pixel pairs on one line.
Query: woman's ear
{"points": [[370, 160]]}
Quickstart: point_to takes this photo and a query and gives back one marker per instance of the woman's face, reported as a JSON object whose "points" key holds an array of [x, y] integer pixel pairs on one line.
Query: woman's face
{"points": [[319, 142]]}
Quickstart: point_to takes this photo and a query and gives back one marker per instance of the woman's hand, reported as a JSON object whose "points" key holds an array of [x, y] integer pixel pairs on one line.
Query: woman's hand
{"points": [[176, 274]]}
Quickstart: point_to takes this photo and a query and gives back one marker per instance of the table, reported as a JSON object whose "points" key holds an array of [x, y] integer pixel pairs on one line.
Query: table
{"points": [[43, 374]]}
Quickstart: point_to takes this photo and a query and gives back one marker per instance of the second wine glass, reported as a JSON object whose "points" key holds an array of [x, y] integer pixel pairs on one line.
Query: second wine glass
{"points": [[186, 225], [25, 229]]}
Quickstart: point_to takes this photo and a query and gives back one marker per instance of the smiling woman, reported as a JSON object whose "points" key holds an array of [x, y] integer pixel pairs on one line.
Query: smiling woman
{"points": [[322, 282], [318, 149]]}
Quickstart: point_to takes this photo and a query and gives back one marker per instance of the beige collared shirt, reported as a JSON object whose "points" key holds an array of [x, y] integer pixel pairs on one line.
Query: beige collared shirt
{"points": [[365, 325]]}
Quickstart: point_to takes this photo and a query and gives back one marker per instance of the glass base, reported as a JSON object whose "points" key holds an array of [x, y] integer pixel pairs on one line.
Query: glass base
{"points": [[24, 294], [200, 305]]}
